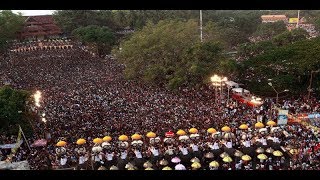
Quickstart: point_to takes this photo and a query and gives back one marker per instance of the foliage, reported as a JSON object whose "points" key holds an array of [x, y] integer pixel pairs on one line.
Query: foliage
{"points": [[269, 30], [290, 64], [10, 24], [102, 37], [11, 103], [170, 53], [289, 37]]}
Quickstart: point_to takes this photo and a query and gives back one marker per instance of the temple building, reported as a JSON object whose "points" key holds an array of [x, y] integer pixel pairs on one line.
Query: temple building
{"points": [[39, 27]]}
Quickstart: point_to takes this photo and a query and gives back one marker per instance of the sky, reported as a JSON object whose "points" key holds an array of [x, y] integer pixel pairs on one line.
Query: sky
{"points": [[34, 12]]}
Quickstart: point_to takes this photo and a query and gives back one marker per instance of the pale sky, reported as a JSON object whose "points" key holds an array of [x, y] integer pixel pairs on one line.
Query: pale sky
{"points": [[34, 12]]}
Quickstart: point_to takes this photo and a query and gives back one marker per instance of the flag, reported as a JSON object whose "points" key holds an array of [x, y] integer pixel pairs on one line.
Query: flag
{"points": [[18, 143]]}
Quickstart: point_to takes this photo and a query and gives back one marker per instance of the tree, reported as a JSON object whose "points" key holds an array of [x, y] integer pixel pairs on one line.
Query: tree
{"points": [[268, 30], [11, 103], [290, 64], [170, 53], [289, 37], [10, 24], [100, 37]]}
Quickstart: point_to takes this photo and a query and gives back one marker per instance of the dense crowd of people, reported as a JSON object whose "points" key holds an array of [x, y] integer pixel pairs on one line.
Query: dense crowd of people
{"points": [[87, 97]]}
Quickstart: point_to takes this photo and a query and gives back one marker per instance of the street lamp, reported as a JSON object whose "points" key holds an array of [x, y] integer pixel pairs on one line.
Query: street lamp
{"points": [[286, 90]]}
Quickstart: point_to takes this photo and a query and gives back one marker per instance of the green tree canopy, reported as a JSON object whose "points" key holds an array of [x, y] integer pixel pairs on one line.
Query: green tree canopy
{"points": [[170, 53], [102, 37], [269, 30], [11, 103], [10, 24]]}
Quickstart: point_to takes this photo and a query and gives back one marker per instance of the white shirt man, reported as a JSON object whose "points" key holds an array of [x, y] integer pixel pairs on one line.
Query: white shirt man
{"points": [[194, 147], [154, 151], [63, 161], [184, 150], [82, 160], [138, 154], [109, 156], [123, 155]]}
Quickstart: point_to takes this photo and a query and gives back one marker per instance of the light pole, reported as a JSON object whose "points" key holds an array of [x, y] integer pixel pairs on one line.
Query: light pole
{"points": [[217, 81], [286, 90], [201, 37]]}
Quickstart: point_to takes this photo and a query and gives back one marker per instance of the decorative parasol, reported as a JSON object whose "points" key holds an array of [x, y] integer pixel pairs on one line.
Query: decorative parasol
{"points": [[123, 138], [169, 134], [163, 162], [214, 164], [151, 134], [102, 168], [114, 167], [183, 137], [193, 131], [175, 160], [225, 129], [227, 159], [271, 123], [262, 156], [194, 135], [277, 153], [180, 167], [258, 125], [98, 140], [81, 141], [269, 150], [136, 137], [107, 139], [211, 130], [61, 143], [195, 159], [246, 157], [147, 165], [129, 165], [243, 126], [209, 155], [196, 165], [224, 154], [167, 168], [263, 130], [294, 151], [259, 150], [181, 132], [238, 153], [149, 168]]}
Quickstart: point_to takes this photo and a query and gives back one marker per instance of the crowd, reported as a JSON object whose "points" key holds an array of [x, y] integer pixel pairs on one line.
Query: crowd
{"points": [[87, 97]]}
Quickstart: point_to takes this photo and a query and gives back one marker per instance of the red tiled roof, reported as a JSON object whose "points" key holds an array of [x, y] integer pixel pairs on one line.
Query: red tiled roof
{"points": [[45, 19]]}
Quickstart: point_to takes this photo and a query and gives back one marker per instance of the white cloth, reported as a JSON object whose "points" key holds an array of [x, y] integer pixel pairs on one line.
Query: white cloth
{"points": [[97, 157], [123, 155], [155, 151], [82, 160], [63, 161], [138, 154], [194, 147], [184, 151], [263, 141], [276, 140], [229, 144], [247, 144], [170, 151], [109, 156]]}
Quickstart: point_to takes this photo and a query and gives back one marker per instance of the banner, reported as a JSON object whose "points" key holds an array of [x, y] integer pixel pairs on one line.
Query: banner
{"points": [[39, 142], [10, 146], [282, 117], [293, 20], [314, 116]]}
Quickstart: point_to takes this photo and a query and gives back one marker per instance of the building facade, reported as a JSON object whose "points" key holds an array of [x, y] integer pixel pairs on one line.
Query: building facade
{"points": [[39, 27]]}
